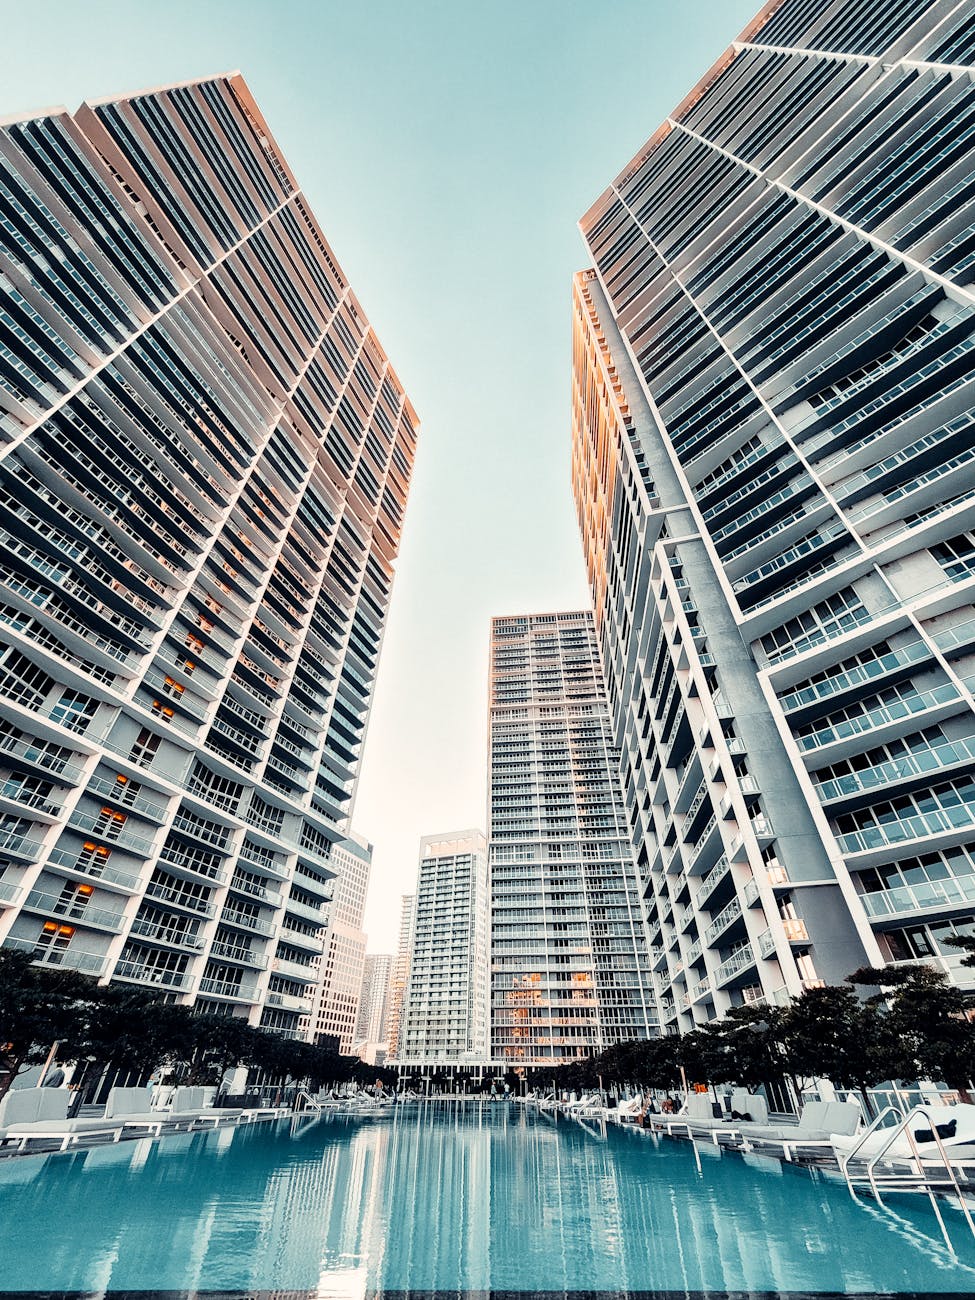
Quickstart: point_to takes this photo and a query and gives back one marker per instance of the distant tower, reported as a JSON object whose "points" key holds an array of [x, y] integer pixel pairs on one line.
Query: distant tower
{"points": [[340, 986], [372, 1022], [400, 972], [445, 1009], [569, 961]]}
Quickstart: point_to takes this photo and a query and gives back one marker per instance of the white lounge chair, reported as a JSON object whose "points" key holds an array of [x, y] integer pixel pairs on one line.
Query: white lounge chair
{"points": [[819, 1122], [955, 1126], [41, 1114], [131, 1107], [191, 1104]]}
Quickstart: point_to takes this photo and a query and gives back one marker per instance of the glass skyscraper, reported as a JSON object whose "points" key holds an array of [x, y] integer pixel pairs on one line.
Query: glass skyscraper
{"points": [[569, 963], [204, 462], [774, 466]]}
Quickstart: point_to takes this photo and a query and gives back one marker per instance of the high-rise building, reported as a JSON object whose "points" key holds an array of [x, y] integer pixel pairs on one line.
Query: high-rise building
{"points": [[773, 463], [340, 977], [372, 1022], [445, 1010], [569, 960], [400, 972], [204, 464]]}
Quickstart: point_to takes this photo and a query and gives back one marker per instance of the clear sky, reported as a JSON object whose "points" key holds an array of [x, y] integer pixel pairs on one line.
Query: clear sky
{"points": [[448, 148]]}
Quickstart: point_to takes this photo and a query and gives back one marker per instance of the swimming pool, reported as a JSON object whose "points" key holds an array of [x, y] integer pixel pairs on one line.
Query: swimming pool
{"points": [[451, 1198]]}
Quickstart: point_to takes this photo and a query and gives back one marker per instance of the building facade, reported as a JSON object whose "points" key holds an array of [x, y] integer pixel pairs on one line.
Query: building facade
{"points": [[569, 959], [400, 972], [204, 461], [773, 464], [340, 977], [372, 1023], [445, 1010]]}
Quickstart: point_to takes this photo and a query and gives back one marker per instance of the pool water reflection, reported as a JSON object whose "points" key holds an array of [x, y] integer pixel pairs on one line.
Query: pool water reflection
{"points": [[451, 1198]]}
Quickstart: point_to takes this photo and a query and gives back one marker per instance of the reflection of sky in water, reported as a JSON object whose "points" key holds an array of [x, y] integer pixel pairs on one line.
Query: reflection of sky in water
{"points": [[450, 1198]]}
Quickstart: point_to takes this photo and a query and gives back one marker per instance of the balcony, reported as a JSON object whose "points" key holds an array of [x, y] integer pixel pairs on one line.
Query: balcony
{"points": [[874, 719], [932, 896], [314, 914], [227, 989], [35, 754], [795, 929], [708, 842], [237, 952], [9, 893], [919, 763], [270, 897], [721, 922], [938, 823], [71, 958], [294, 970], [298, 939], [95, 918], [13, 845], [252, 924], [105, 830], [165, 932], [740, 961], [115, 792], [172, 859], [856, 676], [16, 792], [750, 894], [94, 868], [288, 1002], [158, 978], [711, 881]]}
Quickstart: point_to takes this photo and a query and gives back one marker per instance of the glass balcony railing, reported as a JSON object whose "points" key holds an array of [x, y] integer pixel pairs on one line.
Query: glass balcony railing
{"points": [[723, 920], [918, 827], [916, 898], [874, 718], [80, 913], [90, 963], [857, 675], [918, 763], [737, 962]]}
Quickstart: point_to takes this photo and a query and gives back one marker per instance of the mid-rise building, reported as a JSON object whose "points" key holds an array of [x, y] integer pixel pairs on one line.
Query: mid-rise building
{"points": [[204, 462], [340, 979], [400, 972], [569, 959], [372, 1022], [774, 359], [445, 1010]]}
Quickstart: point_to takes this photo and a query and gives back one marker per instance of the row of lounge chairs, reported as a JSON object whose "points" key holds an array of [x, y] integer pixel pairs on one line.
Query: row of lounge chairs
{"points": [[748, 1125], [41, 1115]]}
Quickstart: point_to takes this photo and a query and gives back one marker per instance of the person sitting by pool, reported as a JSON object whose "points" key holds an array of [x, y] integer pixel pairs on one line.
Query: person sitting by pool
{"points": [[668, 1106]]}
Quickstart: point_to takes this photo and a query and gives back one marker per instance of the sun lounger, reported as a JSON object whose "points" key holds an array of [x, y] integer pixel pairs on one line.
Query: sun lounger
{"points": [[131, 1107], [696, 1119], [41, 1114], [190, 1103], [955, 1128], [818, 1123]]}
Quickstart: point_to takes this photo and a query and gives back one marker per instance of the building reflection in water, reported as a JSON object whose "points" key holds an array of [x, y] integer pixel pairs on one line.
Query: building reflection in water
{"points": [[447, 1198]]}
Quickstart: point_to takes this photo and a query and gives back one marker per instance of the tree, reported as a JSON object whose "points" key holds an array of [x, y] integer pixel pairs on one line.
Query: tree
{"points": [[925, 1030], [830, 1033], [38, 1007]]}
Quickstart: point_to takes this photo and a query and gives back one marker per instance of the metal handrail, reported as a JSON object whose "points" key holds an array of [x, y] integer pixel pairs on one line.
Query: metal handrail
{"points": [[918, 1175]]}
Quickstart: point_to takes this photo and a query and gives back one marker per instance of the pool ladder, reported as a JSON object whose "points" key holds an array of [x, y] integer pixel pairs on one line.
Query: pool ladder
{"points": [[919, 1175]]}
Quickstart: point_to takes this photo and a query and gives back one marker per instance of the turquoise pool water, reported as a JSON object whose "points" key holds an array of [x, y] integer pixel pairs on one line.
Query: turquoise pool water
{"points": [[451, 1198]]}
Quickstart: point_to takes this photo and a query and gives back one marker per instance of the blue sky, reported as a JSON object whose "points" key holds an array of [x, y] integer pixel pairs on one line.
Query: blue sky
{"points": [[448, 149]]}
